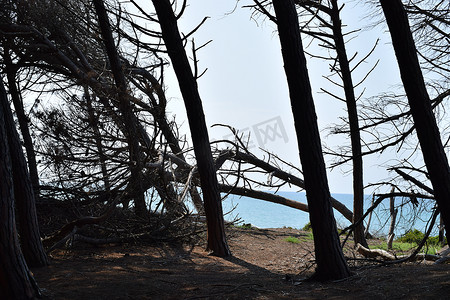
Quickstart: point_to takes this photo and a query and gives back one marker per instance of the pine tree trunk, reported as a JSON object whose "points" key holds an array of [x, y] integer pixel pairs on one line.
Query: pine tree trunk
{"points": [[330, 260], [188, 86], [23, 122], [16, 281], [355, 137], [23, 193], [420, 105]]}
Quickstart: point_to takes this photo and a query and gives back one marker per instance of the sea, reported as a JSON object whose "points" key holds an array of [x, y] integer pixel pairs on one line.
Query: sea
{"points": [[263, 214]]}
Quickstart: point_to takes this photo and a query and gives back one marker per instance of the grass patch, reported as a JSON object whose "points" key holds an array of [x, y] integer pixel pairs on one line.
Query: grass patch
{"points": [[402, 247], [292, 239], [308, 237], [396, 246]]}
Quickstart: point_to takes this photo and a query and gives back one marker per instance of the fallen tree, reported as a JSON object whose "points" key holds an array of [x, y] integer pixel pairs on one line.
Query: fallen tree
{"points": [[390, 258]]}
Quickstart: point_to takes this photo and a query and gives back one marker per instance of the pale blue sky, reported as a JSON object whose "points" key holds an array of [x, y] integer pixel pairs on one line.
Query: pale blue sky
{"points": [[245, 84]]}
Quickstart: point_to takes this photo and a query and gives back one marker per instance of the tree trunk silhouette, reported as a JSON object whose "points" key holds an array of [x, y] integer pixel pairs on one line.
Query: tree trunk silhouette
{"points": [[129, 121], [188, 86], [30, 238], [420, 105], [330, 260], [355, 137], [16, 281], [23, 121]]}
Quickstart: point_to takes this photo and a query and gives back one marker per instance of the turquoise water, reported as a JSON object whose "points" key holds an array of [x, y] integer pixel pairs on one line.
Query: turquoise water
{"points": [[265, 214]]}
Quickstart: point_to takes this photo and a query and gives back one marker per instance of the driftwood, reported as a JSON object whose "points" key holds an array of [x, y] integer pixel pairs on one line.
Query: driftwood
{"points": [[415, 255], [387, 256], [373, 253]]}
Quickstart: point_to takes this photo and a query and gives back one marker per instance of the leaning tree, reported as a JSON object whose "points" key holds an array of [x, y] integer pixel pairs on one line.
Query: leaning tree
{"points": [[420, 105], [188, 86], [16, 280], [330, 260]]}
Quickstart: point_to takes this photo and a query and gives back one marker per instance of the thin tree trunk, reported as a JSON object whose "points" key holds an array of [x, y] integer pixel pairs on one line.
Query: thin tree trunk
{"points": [[188, 86], [393, 211], [366, 230], [131, 128], [358, 184], [16, 280], [330, 260], [23, 193], [441, 231], [419, 102]]}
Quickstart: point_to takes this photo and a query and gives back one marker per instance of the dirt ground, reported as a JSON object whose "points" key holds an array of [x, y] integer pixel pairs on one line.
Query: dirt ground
{"points": [[263, 266]]}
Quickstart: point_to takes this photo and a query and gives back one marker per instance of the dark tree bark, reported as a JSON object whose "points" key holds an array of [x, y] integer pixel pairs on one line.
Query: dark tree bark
{"points": [[355, 137], [213, 207], [16, 281], [23, 121], [330, 260], [30, 238], [419, 102], [129, 121]]}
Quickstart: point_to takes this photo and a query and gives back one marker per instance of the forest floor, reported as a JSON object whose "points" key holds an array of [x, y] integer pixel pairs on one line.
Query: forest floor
{"points": [[263, 266]]}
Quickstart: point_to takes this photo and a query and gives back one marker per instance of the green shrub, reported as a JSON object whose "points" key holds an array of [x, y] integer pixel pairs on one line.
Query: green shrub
{"points": [[397, 246], [292, 239], [415, 236], [434, 241], [307, 227], [412, 236]]}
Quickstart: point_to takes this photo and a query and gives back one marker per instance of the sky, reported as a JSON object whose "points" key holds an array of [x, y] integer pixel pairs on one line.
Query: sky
{"points": [[245, 84]]}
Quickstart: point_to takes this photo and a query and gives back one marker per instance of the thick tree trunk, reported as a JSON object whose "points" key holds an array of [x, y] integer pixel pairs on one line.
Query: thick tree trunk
{"points": [[16, 281], [23, 193], [129, 121], [23, 122], [213, 207], [330, 260], [358, 184], [419, 102]]}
